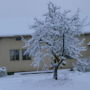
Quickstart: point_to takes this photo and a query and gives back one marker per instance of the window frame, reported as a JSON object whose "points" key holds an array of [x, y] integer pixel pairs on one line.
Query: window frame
{"points": [[13, 56], [25, 56]]}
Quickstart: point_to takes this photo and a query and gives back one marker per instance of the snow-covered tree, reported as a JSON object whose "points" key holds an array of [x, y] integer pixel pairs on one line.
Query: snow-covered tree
{"points": [[58, 32]]}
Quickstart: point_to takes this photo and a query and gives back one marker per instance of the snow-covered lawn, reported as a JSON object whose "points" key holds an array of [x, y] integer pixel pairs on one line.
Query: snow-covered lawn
{"points": [[68, 80]]}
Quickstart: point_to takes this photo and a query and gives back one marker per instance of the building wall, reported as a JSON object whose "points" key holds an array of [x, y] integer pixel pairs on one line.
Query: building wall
{"points": [[86, 54], [7, 44]]}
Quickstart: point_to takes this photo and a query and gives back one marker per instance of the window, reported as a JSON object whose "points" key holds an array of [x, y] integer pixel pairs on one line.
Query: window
{"points": [[14, 55], [18, 38], [68, 57], [25, 56]]}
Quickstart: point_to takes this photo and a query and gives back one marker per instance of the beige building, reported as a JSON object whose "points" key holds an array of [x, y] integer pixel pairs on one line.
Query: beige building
{"points": [[12, 53], [86, 54]]}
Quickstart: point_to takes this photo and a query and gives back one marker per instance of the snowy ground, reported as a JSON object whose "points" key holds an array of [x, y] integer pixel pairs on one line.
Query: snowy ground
{"points": [[67, 81]]}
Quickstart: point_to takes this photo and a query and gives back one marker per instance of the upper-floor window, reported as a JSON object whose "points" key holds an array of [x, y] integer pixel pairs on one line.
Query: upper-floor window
{"points": [[25, 56], [14, 55], [18, 38]]}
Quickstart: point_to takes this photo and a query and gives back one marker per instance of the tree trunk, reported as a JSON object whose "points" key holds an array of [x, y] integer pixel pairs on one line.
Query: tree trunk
{"points": [[55, 76]]}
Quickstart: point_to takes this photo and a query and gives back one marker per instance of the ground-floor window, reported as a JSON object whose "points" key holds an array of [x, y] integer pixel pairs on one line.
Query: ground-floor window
{"points": [[25, 56], [14, 55], [18, 54]]}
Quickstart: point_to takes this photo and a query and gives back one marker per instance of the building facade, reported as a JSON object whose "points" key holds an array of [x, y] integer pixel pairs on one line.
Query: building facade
{"points": [[86, 54], [12, 54], [13, 58]]}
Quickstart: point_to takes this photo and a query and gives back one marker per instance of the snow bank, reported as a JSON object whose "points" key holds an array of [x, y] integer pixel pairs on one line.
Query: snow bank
{"points": [[34, 72], [67, 81]]}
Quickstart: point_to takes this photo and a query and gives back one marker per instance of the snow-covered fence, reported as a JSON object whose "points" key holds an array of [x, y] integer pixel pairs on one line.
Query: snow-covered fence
{"points": [[34, 72], [83, 65], [3, 71]]}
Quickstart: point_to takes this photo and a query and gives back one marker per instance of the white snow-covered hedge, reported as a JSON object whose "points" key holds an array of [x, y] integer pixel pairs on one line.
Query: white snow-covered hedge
{"points": [[83, 65], [3, 71]]}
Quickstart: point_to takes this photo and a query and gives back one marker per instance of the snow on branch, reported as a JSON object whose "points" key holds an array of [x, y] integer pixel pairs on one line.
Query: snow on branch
{"points": [[49, 35]]}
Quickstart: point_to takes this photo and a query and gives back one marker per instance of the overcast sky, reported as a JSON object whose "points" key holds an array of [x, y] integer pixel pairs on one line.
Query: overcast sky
{"points": [[17, 15]]}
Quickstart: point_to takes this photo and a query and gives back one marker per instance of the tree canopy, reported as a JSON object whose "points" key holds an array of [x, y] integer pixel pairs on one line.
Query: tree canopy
{"points": [[59, 31]]}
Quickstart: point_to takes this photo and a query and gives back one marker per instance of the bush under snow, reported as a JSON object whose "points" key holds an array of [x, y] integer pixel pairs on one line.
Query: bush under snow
{"points": [[83, 65], [3, 71]]}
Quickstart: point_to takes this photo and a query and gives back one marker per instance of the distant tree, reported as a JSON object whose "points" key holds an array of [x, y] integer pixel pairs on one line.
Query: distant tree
{"points": [[59, 31]]}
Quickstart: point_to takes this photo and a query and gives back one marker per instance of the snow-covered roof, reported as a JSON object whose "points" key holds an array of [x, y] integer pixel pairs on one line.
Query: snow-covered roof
{"points": [[14, 35], [86, 31], [15, 27]]}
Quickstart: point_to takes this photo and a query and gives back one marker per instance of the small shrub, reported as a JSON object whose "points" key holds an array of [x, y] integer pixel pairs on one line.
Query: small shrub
{"points": [[3, 71], [83, 65]]}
